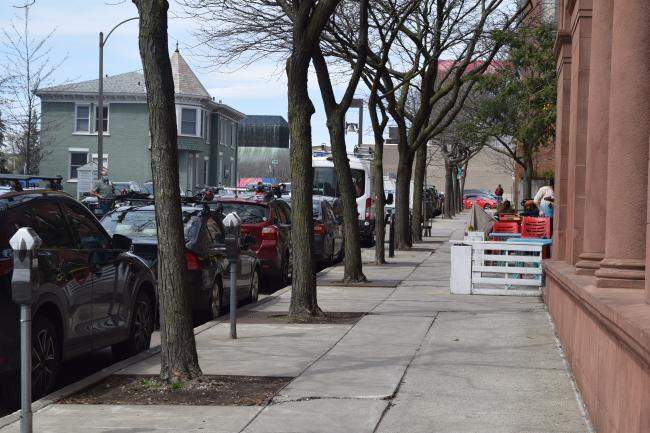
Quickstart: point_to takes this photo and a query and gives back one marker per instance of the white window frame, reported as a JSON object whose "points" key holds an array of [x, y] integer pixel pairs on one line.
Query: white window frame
{"points": [[76, 118], [179, 117], [104, 159], [108, 118], [92, 119], [72, 150]]}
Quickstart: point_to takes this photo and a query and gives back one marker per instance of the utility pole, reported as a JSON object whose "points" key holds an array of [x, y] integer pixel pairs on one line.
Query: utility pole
{"points": [[100, 98]]}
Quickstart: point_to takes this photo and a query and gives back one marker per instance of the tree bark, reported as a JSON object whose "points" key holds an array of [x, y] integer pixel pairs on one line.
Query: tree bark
{"points": [[418, 190], [456, 184], [304, 303], [353, 265], [402, 202], [529, 168], [378, 177], [449, 190], [179, 360]]}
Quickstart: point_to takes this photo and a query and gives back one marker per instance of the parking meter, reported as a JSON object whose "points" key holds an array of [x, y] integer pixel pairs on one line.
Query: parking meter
{"points": [[232, 225], [25, 243]]}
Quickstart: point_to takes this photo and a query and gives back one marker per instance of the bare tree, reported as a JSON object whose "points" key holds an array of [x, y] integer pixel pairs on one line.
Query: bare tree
{"points": [[243, 31], [28, 68], [335, 111], [179, 360]]}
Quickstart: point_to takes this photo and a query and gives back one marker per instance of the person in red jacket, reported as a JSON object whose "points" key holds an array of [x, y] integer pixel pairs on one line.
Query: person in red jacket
{"points": [[499, 193]]}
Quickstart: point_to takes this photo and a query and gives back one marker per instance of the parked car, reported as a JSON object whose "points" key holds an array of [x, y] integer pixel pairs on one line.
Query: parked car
{"points": [[328, 230], [128, 187], [269, 224], [147, 188], [483, 201], [93, 292], [205, 260]]}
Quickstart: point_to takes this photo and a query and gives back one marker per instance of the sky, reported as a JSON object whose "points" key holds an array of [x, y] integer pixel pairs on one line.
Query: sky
{"points": [[256, 89]]}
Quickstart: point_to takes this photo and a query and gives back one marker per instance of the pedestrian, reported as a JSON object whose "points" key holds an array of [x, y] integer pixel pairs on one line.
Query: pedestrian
{"points": [[499, 193], [544, 200], [104, 191]]}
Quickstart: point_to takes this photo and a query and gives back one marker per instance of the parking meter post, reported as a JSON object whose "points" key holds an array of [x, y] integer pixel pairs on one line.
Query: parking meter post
{"points": [[233, 299], [25, 368], [391, 237], [25, 243], [232, 224]]}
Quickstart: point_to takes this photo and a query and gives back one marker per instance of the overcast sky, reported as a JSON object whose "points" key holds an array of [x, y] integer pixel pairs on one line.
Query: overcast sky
{"points": [[257, 89]]}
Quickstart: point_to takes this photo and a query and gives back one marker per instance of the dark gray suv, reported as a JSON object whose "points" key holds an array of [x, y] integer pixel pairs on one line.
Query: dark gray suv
{"points": [[93, 292]]}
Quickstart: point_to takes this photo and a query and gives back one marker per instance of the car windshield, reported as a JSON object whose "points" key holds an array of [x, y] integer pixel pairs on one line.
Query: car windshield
{"points": [[250, 213], [140, 224]]}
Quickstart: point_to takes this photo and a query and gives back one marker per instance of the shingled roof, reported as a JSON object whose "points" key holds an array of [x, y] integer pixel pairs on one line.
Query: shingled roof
{"points": [[132, 83], [263, 120]]}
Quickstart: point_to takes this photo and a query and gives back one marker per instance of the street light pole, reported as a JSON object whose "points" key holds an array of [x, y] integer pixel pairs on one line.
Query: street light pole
{"points": [[100, 109], [100, 98]]}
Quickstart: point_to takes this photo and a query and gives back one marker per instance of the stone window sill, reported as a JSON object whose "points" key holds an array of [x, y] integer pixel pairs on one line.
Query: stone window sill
{"points": [[622, 312]]}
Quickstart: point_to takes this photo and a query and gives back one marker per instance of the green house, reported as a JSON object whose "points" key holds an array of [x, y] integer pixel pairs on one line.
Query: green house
{"points": [[207, 130]]}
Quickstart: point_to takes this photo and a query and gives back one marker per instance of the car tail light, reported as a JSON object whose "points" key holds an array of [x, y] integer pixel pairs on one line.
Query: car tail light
{"points": [[192, 262], [320, 229], [368, 208], [6, 266], [270, 233]]}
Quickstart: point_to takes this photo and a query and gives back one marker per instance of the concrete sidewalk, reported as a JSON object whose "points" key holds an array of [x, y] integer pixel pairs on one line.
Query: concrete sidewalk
{"points": [[421, 360]]}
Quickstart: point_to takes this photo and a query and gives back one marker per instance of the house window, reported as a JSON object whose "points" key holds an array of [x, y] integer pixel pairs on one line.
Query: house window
{"points": [[233, 134], [232, 171], [188, 121], [77, 159], [82, 123], [104, 160], [204, 124], [105, 119]]}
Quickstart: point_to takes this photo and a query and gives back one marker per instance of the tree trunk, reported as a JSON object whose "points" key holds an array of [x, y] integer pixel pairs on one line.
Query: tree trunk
{"points": [[353, 272], [456, 185], [528, 175], [179, 360], [303, 289], [418, 190], [462, 184], [379, 198], [402, 201], [449, 190]]}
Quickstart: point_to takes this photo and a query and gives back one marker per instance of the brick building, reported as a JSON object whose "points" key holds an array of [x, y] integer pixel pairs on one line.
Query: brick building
{"points": [[598, 287]]}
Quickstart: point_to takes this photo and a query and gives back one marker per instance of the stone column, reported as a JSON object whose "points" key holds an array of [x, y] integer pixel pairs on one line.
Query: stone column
{"points": [[563, 55], [593, 247], [627, 158], [577, 162]]}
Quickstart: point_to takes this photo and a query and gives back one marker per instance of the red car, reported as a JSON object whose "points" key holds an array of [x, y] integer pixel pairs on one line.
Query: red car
{"points": [[269, 223], [483, 201]]}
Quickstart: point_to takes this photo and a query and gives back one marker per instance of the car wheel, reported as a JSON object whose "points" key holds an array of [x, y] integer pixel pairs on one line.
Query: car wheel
{"points": [[142, 324], [215, 307], [254, 293], [46, 357]]}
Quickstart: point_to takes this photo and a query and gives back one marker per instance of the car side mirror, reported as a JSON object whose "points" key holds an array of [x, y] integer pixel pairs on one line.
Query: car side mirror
{"points": [[121, 242], [389, 198]]}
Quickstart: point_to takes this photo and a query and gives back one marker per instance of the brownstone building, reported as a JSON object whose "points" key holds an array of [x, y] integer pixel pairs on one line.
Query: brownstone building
{"points": [[598, 287]]}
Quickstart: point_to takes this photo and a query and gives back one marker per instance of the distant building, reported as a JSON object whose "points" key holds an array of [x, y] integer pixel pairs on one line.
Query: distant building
{"points": [[264, 147], [207, 130]]}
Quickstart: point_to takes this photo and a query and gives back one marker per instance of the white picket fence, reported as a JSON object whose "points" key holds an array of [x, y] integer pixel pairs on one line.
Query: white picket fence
{"points": [[496, 268]]}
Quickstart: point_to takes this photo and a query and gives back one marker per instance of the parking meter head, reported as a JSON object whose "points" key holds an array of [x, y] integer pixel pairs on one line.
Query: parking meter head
{"points": [[232, 225], [25, 243]]}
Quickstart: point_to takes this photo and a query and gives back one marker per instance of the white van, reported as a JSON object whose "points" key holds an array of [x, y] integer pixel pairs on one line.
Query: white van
{"points": [[325, 184], [389, 188]]}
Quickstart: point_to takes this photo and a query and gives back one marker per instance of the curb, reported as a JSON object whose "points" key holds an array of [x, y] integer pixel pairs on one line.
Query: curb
{"points": [[102, 374]]}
